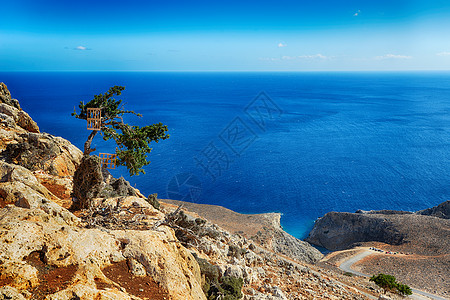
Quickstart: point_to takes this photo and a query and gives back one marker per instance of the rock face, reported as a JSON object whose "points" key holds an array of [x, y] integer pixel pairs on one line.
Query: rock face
{"points": [[440, 211], [90, 181], [341, 230], [5, 97], [338, 231], [59, 243], [264, 229], [48, 252], [42, 151], [10, 108]]}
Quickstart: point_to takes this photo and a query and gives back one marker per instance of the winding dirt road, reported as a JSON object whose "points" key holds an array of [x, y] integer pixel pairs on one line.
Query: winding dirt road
{"points": [[347, 264]]}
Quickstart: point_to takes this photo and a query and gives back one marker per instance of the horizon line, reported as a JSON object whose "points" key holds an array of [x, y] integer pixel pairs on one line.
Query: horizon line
{"points": [[224, 71]]}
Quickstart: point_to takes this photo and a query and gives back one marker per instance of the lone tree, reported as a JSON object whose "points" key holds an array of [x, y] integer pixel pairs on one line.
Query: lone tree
{"points": [[133, 143], [389, 283]]}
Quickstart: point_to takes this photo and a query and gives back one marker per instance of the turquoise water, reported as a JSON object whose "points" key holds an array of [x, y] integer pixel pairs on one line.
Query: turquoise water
{"points": [[309, 144]]}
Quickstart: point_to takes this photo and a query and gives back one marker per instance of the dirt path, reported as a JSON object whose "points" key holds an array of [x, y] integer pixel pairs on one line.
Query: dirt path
{"points": [[347, 264]]}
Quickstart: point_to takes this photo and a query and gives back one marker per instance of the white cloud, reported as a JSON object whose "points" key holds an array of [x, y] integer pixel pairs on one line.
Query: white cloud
{"points": [[268, 59], [81, 48], [357, 13], [314, 56], [443, 54], [281, 45], [393, 56], [300, 57]]}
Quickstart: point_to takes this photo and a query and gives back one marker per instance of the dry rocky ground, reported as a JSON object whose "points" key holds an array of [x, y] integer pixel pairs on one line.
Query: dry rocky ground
{"points": [[125, 248], [423, 235]]}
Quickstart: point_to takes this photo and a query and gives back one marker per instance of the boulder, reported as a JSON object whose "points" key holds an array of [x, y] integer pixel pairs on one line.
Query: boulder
{"points": [[90, 182]]}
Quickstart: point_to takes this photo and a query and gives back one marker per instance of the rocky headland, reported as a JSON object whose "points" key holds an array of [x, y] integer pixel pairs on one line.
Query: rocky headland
{"points": [[416, 245], [128, 246]]}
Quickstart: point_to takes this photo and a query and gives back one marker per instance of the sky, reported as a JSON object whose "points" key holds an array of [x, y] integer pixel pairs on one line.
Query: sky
{"points": [[320, 35]]}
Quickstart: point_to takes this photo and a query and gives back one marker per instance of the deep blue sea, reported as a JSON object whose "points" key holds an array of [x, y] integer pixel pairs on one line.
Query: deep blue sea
{"points": [[301, 144]]}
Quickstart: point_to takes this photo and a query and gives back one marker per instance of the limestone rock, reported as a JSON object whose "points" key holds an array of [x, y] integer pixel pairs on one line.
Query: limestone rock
{"points": [[234, 271], [87, 292], [18, 184], [7, 137], [136, 267], [337, 231], [278, 293], [286, 244], [27, 231], [20, 117], [90, 182], [5, 97], [7, 121], [51, 154], [10, 293]]}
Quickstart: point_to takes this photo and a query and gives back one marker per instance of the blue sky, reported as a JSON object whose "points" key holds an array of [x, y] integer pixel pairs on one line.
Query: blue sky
{"points": [[224, 36]]}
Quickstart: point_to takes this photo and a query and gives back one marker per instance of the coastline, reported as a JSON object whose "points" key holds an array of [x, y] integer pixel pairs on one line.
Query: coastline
{"points": [[246, 225]]}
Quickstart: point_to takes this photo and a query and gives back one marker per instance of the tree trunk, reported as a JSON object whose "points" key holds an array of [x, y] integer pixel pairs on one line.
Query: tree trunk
{"points": [[87, 145]]}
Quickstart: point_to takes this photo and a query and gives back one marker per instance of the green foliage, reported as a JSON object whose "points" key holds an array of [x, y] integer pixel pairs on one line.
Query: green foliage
{"points": [[216, 287], [232, 287], [133, 141], [403, 289], [386, 282], [153, 200], [389, 283], [350, 274], [229, 288]]}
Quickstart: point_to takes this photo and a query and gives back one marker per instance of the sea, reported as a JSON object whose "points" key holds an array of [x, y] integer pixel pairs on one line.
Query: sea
{"points": [[301, 144]]}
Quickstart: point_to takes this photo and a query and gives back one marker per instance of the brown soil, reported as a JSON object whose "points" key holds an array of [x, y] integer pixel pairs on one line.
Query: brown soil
{"points": [[51, 279], [2, 202], [58, 190], [5, 280], [141, 286]]}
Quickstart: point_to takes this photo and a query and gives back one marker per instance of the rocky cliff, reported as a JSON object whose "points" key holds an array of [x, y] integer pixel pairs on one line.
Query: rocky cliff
{"points": [[422, 230], [122, 247], [440, 211], [414, 247]]}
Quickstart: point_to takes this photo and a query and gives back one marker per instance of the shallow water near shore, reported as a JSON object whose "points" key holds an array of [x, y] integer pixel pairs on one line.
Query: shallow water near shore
{"points": [[311, 143]]}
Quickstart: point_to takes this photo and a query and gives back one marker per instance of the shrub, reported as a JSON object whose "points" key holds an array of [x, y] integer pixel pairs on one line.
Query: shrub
{"points": [[153, 200], [403, 289], [216, 287], [389, 283]]}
